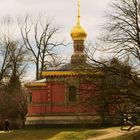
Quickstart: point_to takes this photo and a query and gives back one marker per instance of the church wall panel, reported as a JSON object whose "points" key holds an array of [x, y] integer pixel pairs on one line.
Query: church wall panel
{"points": [[36, 109], [58, 93]]}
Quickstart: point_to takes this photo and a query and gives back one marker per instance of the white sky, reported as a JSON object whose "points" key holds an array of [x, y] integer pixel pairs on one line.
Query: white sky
{"points": [[63, 12]]}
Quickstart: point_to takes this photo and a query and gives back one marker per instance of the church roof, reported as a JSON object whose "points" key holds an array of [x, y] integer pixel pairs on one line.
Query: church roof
{"points": [[69, 73], [37, 83]]}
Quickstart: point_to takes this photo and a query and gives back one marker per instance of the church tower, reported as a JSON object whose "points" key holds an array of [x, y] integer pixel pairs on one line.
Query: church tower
{"points": [[60, 97], [78, 35]]}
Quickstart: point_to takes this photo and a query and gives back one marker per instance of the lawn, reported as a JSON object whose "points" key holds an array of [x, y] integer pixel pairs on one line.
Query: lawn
{"points": [[62, 134], [50, 134]]}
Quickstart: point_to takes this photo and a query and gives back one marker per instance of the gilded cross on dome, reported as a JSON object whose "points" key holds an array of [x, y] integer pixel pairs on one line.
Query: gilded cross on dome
{"points": [[78, 16]]}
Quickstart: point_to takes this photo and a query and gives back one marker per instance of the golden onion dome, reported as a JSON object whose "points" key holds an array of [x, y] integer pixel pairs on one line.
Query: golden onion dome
{"points": [[78, 33]]}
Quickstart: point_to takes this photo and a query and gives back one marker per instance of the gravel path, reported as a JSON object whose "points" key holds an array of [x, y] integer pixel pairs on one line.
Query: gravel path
{"points": [[113, 132]]}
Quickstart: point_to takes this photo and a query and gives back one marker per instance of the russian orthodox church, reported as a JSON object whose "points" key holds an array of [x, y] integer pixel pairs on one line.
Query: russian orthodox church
{"points": [[60, 97]]}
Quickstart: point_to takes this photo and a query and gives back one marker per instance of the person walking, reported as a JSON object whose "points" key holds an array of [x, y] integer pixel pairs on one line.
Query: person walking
{"points": [[6, 125]]}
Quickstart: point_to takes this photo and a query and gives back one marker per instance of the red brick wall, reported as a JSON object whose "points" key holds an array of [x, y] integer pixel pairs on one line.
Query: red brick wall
{"points": [[56, 92]]}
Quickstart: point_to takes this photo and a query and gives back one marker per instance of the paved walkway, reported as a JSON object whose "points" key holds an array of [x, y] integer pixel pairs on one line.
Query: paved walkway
{"points": [[113, 132]]}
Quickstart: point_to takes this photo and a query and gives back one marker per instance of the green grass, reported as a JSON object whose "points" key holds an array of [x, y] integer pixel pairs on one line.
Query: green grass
{"points": [[62, 134], [50, 134]]}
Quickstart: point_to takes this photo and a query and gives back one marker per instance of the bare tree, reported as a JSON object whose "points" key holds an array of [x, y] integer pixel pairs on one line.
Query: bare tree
{"points": [[122, 38], [123, 28], [5, 59], [41, 43], [5, 43], [15, 101], [13, 63], [18, 58], [115, 92]]}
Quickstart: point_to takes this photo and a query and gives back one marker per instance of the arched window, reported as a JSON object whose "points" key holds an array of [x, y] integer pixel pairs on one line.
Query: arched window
{"points": [[72, 94], [30, 97]]}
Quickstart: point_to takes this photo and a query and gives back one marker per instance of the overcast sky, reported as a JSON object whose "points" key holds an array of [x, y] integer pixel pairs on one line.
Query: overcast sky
{"points": [[63, 12]]}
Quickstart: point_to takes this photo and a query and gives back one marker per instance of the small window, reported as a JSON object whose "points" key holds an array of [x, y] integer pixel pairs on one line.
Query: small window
{"points": [[30, 97], [72, 93]]}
